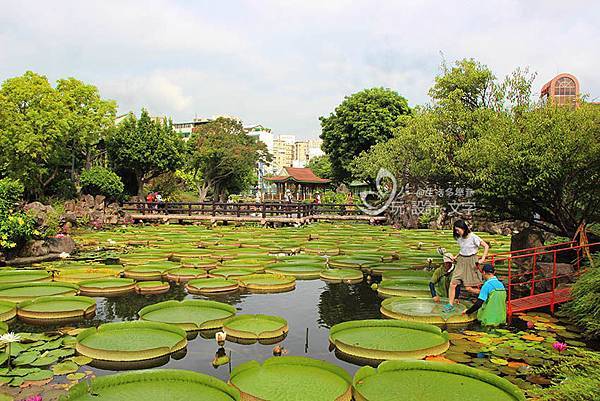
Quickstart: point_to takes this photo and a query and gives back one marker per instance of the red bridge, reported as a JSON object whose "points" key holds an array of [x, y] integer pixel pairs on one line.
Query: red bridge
{"points": [[542, 276]]}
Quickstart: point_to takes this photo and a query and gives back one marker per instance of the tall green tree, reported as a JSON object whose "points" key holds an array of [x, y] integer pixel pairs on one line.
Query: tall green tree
{"points": [[223, 158], [145, 147], [321, 166], [33, 126], [359, 122], [90, 120]]}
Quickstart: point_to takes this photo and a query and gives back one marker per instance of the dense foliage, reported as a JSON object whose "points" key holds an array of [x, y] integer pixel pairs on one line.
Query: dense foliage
{"points": [[222, 158], [49, 134], [101, 181], [525, 160], [584, 309], [145, 147], [16, 227], [576, 378], [359, 122], [321, 166]]}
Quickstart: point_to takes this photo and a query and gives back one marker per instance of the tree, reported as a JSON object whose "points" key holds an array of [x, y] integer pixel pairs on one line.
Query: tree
{"points": [[33, 124], [321, 166], [359, 122], [145, 147], [89, 121], [524, 160], [223, 158]]}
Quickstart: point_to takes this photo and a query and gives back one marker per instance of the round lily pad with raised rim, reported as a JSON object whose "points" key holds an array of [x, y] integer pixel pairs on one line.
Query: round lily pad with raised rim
{"points": [[183, 274], [152, 287], [78, 275], [353, 262], [349, 276], [149, 272], [268, 282], [406, 274], [189, 314], [230, 272], [325, 251], [130, 341], [46, 309], [424, 380], [424, 310], [8, 310], [412, 287], [156, 385], [20, 292], [23, 276], [255, 327], [210, 285], [379, 340], [107, 287], [300, 271], [292, 378]]}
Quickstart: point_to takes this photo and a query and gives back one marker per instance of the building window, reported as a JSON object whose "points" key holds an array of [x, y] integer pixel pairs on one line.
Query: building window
{"points": [[565, 86]]}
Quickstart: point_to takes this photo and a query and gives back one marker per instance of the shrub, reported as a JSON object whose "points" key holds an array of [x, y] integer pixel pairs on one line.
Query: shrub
{"points": [[101, 181], [584, 309], [576, 377], [15, 229], [11, 192], [62, 189]]}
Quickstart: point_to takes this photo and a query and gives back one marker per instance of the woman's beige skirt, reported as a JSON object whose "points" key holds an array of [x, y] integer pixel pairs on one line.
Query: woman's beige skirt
{"points": [[466, 271]]}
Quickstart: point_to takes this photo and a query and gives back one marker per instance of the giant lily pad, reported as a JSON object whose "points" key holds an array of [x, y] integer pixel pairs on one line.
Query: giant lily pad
{"points": [[8, 310], [80, 274], [130, 341], [54, 308], [355, 262], [423, 380], [107, 287], [349, 276], [150, 271], [159, 384], [211, 285], [151, 287], [404, 288], [300, 271], [189, 314], [255, 327], [268, 282], [230, 272], [23, 276], [185, 274], [25, 291], [424, 310], [380, 340], [292, 378]]}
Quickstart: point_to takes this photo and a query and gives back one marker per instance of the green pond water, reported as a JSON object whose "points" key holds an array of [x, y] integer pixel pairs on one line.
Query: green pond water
{"points": [[310, 309]]}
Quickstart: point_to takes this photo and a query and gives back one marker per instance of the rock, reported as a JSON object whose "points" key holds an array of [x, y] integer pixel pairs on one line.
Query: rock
{"points": [[528, 238], [88, 201], [34, 248], [69, 206], [69, 217], [40, 212], [99, 201], [63, 244]]}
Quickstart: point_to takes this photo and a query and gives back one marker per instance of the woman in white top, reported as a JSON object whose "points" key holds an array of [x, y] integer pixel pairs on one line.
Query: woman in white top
{"points": [[467, 271]]}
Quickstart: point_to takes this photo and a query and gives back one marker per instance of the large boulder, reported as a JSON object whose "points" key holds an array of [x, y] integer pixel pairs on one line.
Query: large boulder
{"points": [[39, 212], [527, 238], [38, 248]]}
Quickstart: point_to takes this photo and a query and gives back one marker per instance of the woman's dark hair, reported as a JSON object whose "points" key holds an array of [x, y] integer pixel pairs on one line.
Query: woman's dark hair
{"points": [[460, 224]]}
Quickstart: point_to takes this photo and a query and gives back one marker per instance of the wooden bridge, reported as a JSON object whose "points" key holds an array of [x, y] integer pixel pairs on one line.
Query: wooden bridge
{"points": [[263, 213], [542, 276]]}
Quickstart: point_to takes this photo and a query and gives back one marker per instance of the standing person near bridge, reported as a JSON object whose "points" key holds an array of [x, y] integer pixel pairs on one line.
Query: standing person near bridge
{"points": [[467, 271]]}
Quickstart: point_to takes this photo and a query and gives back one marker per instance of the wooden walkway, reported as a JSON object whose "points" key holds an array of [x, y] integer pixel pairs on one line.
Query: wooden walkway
{"points": [[263, 213]]}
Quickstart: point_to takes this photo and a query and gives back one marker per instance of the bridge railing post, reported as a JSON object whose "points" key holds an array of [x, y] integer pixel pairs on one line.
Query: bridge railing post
{"points": [[533, 271], [509, 306], [553, 295]]}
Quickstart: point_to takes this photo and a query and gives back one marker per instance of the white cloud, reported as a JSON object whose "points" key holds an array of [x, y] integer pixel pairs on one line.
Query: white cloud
{"points": [[285, 63]]}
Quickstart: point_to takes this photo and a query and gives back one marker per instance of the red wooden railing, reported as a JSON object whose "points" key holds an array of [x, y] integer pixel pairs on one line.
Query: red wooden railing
{"points": [[536, 293]]}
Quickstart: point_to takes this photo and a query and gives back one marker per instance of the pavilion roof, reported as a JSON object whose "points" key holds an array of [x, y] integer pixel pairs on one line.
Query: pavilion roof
{"points": [[299, 174]]}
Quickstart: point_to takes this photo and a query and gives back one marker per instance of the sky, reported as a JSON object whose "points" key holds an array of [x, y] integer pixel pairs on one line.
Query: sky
{"points": [[285, 63]]}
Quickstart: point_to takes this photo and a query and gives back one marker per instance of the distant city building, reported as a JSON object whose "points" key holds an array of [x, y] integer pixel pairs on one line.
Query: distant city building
{"points": [[185, 129], [563, 89], [122, 117]]}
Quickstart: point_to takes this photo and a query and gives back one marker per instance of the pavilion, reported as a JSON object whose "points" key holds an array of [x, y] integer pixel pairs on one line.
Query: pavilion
{"points": [[302, 183]]}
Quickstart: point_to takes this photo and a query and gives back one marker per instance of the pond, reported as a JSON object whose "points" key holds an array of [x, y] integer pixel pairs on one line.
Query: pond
{"points": [[310, 309]]}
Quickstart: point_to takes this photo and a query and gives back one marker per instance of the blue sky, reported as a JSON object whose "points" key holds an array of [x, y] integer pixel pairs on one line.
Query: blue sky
{"points": [[285, 63]]}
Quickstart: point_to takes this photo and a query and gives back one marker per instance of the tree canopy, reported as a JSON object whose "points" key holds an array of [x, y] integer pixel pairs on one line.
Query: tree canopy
{"points": [[146, 147], [359, 122], [223, 157], [524, 159]]}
